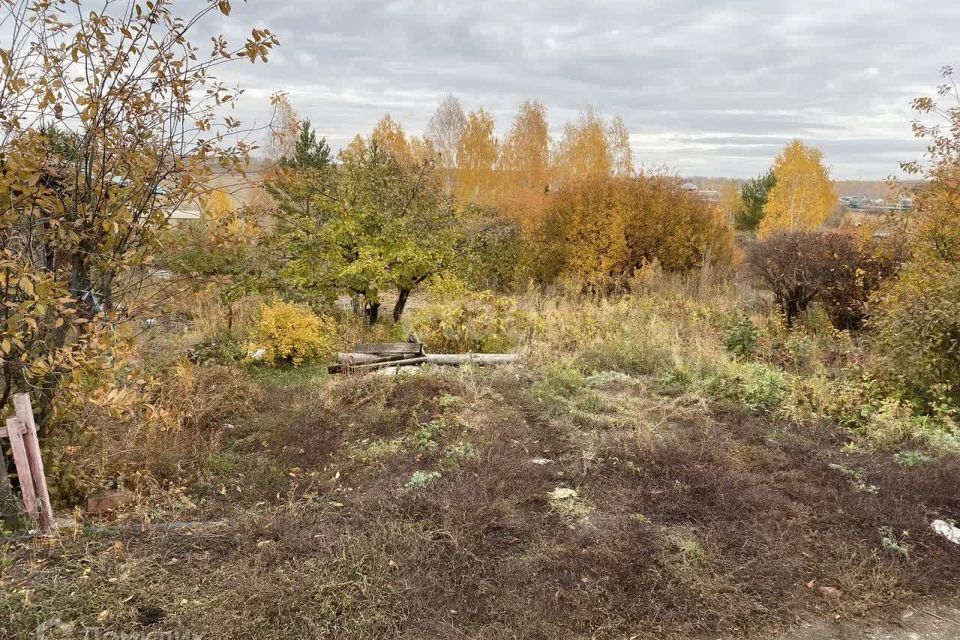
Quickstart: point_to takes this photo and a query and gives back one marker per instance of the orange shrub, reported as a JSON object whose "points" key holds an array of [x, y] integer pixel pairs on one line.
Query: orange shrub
{"points": [[600, 229]]}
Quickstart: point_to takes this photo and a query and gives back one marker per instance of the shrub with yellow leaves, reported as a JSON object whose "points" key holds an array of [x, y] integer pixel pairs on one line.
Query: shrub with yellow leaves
{"points": [[598, 230], [291, 333], [474, 323]]}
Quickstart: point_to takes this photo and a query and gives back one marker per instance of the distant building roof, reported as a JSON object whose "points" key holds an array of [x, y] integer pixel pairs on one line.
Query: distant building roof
{"points": [[186, 212]]}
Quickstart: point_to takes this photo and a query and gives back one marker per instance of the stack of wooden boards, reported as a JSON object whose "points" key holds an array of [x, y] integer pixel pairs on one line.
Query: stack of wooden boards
{"points": [[367, 357]]}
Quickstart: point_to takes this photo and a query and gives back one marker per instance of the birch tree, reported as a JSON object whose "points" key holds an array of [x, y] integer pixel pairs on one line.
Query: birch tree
{"points": [[803, 195]]}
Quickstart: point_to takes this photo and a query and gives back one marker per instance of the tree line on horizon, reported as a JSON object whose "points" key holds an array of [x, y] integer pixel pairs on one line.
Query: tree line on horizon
{"points": [[392, 211], [513, 172]]}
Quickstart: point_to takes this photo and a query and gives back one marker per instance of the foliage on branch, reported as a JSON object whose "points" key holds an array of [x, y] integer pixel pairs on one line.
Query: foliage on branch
{"points": [[934, 223], [917, 326]]}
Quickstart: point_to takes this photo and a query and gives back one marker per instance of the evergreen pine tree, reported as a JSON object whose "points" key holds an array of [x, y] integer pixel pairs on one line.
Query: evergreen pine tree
{"points": [[754, 194]]}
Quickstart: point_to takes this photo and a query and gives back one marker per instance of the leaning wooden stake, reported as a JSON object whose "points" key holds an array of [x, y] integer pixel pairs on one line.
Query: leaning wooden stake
{"points": [[15, 431], [24, 411], [25, 445]]}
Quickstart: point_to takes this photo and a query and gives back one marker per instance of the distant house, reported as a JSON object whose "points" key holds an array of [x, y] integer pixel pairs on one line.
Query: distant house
{"points": [[861, 203], [186, 212], [703, 194]]}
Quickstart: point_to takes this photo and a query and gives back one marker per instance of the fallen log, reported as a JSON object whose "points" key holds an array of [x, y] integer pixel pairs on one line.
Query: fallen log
{"points": [[480, 359], [356, 360], [441, 359]]}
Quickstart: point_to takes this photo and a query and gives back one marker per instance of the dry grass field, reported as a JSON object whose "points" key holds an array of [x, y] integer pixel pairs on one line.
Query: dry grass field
{"points": [[647, 484]]}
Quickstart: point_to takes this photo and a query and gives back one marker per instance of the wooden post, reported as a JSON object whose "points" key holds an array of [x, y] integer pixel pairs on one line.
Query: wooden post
{"points": [[24, 411], [20, 459]]}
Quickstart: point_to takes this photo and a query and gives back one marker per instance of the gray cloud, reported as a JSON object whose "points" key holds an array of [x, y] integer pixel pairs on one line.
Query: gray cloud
{"points": [[704, 87]]}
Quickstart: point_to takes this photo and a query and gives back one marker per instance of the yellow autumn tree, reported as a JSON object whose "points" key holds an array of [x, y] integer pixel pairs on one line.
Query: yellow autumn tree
{"points": [[224, 221], [422, 149], [356, 148], [584, 149], [618, 139], [217, 204], [389, 136], [525, 165], [803, 195], [731, 202], [526, 151], [477, 153], [600, 229]]}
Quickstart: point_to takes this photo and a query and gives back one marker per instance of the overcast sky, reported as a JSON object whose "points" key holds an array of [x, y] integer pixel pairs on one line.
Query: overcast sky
{"points": [[706, 88]]}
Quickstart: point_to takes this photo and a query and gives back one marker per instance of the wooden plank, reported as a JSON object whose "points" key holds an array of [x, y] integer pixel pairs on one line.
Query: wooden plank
{"points": [[367, 358], [390, 348], [3, 431], [344, 368], [21, 404], [347, 361], [20, 459]]}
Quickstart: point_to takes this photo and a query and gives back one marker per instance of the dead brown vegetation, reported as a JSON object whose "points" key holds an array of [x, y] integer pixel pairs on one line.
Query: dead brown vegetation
{"points": [[685, 520]]}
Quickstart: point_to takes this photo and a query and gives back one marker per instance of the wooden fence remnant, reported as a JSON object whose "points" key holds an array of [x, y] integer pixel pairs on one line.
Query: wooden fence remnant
{"points": [[21, 430], [15, 431], [24, 411]]}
